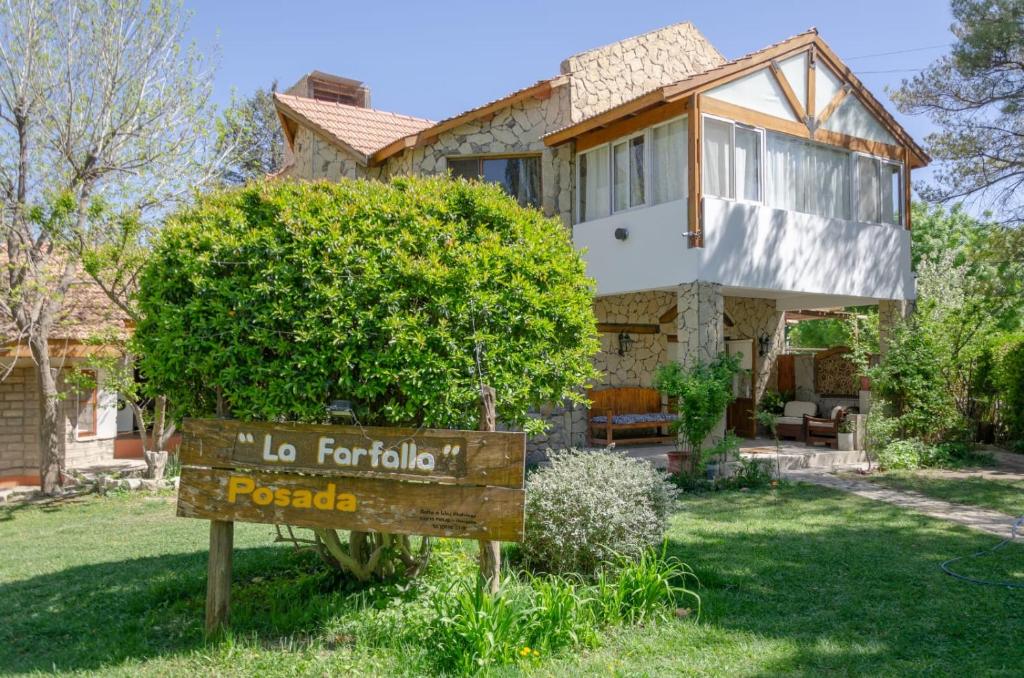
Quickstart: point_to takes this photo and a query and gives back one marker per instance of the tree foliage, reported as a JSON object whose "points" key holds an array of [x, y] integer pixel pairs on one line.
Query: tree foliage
{"points": [[975, 95], [277, 298], [249, 137]]}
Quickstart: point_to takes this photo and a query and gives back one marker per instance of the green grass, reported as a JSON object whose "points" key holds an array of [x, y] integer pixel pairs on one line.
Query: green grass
{"points": [[802, 582], [1006, 496]]}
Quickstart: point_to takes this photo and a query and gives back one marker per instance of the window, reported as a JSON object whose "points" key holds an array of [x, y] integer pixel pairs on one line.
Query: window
{"points": [[628, 163], [595, 196], [520, 177], [648, 168], [807, 177], [732, 160], [668, 161], [879, 190], [86, 401]]}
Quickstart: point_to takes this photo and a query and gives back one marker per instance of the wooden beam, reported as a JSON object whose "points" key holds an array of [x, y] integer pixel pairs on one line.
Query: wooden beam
{"points": [[906, 188], [606, 118], [218, 575], [695, 238], [772, 123], [669, 315], [752, 117], [628, 328], [837, 99], [787, 90], [623, 127], [812, 71]]}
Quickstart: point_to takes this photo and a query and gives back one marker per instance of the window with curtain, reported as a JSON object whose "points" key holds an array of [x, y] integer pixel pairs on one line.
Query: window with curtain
{"points": [[807, 177], [892, 193], [868, 197], [87, 407], [594, 193], [519, 176], [717, 158], [628, 173], [748, 164], [668, 159]]}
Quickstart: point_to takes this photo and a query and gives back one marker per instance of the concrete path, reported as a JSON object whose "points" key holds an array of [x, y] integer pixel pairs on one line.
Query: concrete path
{"points": [[992, 522]]}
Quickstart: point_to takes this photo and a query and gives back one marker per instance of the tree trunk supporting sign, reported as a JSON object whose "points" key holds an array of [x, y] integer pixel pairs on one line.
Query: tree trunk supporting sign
{"points": [[218, 581], [490, 551]]}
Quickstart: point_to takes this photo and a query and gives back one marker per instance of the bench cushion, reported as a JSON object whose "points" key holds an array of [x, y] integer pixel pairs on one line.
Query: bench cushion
{"points": [[798, 408], [798, 421], [649, 417]]}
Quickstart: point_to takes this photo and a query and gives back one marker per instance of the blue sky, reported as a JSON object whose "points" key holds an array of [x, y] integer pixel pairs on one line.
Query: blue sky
{"points": [[434, 59]]}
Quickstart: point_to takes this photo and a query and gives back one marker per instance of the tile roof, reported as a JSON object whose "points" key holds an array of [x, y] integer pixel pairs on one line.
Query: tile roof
{"points": [[363, 130]]}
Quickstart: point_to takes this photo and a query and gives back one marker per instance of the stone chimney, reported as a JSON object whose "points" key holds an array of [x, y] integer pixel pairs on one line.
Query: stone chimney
{"points": [[333, 88]]}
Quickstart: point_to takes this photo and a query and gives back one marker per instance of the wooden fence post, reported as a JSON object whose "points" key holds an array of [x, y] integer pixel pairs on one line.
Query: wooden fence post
{"points": [[490, 551], [218, 577]]}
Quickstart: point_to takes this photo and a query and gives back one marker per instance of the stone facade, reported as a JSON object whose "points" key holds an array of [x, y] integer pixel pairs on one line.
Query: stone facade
{"points": [[699, 322], [516, 130], [647, 352], [610, 75], [890, 314], [751, 318], [313, 157]]}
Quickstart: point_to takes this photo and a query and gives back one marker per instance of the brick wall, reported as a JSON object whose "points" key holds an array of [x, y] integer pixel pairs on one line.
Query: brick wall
{"points": [[19, 421]]}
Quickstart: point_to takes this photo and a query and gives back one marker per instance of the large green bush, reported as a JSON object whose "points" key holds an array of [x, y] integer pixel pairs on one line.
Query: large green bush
{"points": [[278, 298], [1009, 382], [702, 392], [591, 507]]}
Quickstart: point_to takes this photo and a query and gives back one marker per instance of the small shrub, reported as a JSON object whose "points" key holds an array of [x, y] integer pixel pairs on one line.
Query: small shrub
{"points": [[913, 454], [589, 507], [642, 590], [902, 454]]}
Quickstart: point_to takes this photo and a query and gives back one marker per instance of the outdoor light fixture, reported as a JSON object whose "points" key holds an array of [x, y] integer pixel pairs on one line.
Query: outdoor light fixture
{"points": [[622, 234], [764, 343], [341, 409], [625, 343]]}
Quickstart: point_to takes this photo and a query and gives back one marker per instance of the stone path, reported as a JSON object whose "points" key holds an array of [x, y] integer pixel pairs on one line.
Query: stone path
{"points": [[992, 522]]}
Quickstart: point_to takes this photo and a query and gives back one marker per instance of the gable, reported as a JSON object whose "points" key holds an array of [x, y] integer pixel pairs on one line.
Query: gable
{"points": [[853, 119], [760, 91], [795, 70]]}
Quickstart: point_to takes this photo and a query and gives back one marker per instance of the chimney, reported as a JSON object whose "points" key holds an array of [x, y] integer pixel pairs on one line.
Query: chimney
{"points": [[336, 89]]}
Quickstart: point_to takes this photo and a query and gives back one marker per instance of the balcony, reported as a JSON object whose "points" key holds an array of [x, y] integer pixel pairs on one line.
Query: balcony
{"points": [[748, 246]]}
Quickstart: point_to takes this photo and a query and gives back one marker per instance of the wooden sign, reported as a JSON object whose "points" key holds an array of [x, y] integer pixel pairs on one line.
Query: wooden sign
{"points": [[447, 483]]}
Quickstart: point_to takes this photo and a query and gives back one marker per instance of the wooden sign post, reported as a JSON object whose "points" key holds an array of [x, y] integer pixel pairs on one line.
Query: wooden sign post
{"points": [[446, 483]]}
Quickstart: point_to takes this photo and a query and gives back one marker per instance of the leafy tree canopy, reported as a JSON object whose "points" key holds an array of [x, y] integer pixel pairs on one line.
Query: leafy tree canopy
{"points": [[975, 95], [404, 298], [249, 138]]}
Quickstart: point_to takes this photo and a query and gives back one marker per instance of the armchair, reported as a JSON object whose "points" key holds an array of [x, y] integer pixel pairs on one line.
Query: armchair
{"points": [[822, 430]]}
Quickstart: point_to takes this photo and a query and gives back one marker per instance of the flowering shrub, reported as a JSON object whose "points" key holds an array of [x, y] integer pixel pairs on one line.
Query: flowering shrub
{"points": [[590, 507]]}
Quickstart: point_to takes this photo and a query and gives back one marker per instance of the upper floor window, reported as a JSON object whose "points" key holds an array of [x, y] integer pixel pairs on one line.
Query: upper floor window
{"points": [[518, 175], [807, 177], [647, 168], [732, 160], [879, 190]]}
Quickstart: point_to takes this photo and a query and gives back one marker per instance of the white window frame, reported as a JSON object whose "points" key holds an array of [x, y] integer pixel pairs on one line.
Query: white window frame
{"points": [[855, 188], [762, 151], [648, 169]]}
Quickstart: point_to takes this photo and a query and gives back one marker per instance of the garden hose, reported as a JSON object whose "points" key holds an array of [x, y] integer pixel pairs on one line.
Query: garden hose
{"points": [[986, 552]]}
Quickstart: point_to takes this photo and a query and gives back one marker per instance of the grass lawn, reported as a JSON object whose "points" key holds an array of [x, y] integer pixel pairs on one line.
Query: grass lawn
{"points": [[805, 581], [1006, 496]]}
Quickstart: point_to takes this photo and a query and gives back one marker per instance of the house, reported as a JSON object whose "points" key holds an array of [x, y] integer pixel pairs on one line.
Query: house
{"points": [[711, 196], [90, 418]]}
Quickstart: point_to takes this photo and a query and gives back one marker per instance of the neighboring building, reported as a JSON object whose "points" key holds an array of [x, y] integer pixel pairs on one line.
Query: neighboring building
{"points": [[711, 195], [90, 419]]}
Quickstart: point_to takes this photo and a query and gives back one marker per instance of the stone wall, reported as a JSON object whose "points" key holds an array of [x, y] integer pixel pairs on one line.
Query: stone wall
{"points": [[19, 422], [317, 158], [607, 76], [517, 129], [751, 318], [637, 366], [699, 322], [890, 314]]}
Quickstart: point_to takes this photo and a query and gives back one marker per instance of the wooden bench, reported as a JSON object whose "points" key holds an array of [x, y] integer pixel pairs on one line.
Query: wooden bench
{"points": [[627, 408]]}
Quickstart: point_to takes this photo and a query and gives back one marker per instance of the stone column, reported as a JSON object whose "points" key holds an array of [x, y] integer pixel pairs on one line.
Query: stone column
{"points": [[699, 322], [753, 318], [890, 313], [701, 331]]}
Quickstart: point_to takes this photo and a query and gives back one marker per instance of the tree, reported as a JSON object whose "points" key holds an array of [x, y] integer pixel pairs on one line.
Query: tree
{"points": [[269, 301], [975, 95], [102, 112], [249, 135]]}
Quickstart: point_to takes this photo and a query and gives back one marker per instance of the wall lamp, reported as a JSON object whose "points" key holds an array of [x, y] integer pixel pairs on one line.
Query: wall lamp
{"points": [[764, 344], [625, 343], [622, 234]]}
